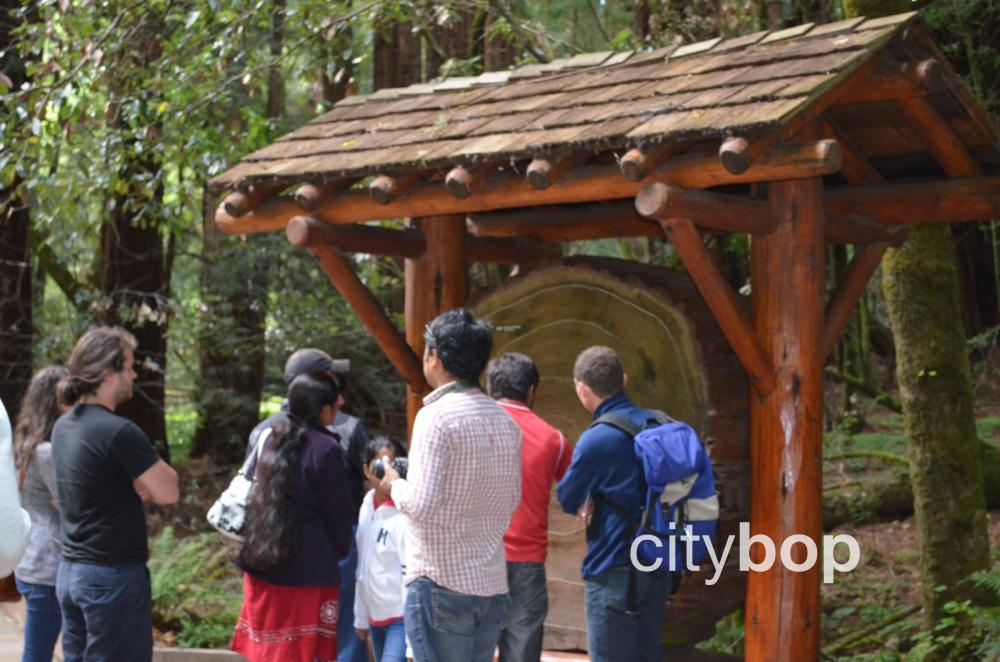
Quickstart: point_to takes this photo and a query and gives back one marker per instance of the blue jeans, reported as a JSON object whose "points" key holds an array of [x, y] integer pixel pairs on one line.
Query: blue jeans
{"points": [[613, 635], [521, 638], [349, 647], [445, 626], [107, 612], [389, 642], [43, 620]]}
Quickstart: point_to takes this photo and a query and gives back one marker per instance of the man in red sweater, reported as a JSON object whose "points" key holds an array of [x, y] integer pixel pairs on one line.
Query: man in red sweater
{"points": [[512, 379]]}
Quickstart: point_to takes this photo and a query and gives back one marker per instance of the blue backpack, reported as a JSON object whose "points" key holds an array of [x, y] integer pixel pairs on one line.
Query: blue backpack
{"points": [[681, 492]]}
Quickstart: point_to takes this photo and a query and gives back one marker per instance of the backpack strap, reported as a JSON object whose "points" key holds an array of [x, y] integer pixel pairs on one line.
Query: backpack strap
{"points": [[618, 422]]}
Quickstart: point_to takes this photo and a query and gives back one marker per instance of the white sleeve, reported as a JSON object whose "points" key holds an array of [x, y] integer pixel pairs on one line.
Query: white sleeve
{"points": [[14, 520], [360, 613]]}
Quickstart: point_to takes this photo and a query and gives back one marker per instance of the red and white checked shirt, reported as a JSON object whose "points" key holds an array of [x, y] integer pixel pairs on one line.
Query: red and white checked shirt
{"points": [[464, 482]]}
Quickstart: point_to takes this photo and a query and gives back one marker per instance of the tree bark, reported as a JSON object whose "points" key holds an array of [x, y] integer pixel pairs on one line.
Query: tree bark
{"points": [[920, 282], [396, 54], [921, 289], [15, 255]]}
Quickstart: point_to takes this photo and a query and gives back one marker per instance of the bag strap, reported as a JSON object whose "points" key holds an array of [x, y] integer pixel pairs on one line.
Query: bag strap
{"points": [[250, 468]]}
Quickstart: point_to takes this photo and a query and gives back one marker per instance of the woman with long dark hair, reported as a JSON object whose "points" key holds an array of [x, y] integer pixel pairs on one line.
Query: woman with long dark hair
{"points": [[298, 525], [36, 573]]}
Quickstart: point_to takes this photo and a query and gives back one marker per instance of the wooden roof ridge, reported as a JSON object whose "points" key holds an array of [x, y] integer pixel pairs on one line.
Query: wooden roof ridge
{"points": [[595, 102]]}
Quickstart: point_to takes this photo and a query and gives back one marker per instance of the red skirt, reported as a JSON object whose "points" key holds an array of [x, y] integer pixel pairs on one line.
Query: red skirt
{"points": [[287, 623]]}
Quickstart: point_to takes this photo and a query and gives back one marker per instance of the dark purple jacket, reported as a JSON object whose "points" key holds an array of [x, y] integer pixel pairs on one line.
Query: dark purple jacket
{"points": [[323, 509]]}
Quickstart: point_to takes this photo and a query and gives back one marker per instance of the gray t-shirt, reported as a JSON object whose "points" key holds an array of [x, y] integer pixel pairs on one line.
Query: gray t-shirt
{"points": [[41, 559]]}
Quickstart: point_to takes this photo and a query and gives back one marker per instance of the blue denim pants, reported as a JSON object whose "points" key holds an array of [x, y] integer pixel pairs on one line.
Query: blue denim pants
{"points": [[43, 620], [389, 642], [521, 638], [614, 635], [349, 647], [445, 626], [107, 612]]}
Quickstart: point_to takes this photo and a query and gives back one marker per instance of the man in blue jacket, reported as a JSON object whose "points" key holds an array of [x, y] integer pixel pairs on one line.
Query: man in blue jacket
{"points": [[606, 473]]}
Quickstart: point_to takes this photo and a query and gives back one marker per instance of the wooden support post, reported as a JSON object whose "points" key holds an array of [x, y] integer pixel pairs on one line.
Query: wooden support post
{"points": [[239, 203], [339, 271], [308, 232], [544, 172], [714, 211], [639, 163], [311, 196], [385, 189], [587, 183], [729, 311], [841, 306], [436, 282], [734, 155], [786, 426]]}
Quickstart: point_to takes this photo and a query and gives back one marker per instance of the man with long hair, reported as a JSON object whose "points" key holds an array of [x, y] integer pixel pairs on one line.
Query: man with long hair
{"points": [[464, 482], [105, 468]]}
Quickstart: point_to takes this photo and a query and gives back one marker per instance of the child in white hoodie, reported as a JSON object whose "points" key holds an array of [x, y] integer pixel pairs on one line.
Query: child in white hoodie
{"points": [[380, 593]]}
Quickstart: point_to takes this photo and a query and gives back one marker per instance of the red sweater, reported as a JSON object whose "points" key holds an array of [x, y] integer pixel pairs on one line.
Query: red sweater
{"points": [[545, 456]]}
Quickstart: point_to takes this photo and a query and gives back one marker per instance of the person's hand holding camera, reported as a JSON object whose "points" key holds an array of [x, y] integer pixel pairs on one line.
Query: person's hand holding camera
{"points": [[389, 473]]}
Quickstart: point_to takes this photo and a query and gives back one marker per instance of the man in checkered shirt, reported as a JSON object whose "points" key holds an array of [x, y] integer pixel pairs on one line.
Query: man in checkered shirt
{"points": [[463, 485]]}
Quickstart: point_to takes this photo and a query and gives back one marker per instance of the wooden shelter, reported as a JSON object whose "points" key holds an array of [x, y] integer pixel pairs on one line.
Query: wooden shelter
{"points": [[842, 133]]}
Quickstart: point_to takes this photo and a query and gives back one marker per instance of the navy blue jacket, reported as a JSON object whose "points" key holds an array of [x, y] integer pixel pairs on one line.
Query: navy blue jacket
{"points": [[324, 516], [605, 467]]}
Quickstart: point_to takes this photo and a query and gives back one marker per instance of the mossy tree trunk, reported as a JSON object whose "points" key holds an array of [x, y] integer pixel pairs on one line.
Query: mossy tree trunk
{"points": [[920, 282]]}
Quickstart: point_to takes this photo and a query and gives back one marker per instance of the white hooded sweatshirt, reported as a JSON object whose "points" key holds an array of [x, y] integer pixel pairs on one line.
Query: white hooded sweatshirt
{"points": [[15, 525], [380, 593]]}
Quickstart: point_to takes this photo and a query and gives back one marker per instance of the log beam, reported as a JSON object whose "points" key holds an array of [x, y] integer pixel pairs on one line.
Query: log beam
{"points": [[544, 172], [713, 211], [310, 196], [386, 189], [239, 203], [558, 223], [734, 155], [856, 167], [947, 148], [728, 309], [309, 232], [639, 163], [966, 199], [339, 271], [844, 229], [462, 182], [512, 250], [583, 184], [854, 281]]}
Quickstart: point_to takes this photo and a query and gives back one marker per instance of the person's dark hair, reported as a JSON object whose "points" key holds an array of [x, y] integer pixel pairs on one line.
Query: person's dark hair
{"points": [[39, 411], [601, 370], [463, 342], [377, 444], [511, 375], [271, 528], [99, 350]]}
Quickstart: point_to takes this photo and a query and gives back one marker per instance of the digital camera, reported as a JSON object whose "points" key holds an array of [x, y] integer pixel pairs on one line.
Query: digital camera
{"points": [[400, 464]]}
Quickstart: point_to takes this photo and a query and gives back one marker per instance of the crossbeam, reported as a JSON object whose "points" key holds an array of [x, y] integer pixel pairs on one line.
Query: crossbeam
{"points": [[852, 285], [965, 199], [729, 311], [713, 211], [384, 332], [503, 190]]}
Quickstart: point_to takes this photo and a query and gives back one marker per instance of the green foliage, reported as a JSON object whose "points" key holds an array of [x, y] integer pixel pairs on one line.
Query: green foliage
{"points": [[728, 637], [196, 588]]}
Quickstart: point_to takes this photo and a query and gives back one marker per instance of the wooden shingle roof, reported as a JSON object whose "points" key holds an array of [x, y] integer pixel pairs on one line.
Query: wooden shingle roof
{"points": [[595, 102]]}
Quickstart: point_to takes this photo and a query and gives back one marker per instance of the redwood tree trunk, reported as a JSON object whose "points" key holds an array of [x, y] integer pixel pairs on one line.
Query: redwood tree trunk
{"points": [[15, 256]]}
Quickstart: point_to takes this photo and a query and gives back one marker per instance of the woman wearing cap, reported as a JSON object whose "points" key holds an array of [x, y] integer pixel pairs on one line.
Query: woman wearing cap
{"points": [[298, 524]]}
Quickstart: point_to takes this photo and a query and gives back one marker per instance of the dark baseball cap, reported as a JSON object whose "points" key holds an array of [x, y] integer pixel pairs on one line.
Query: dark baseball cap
{"points": [[313, 360]]}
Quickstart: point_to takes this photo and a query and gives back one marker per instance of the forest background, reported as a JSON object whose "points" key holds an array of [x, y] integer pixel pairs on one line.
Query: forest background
{"points": [[117, 112]]}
